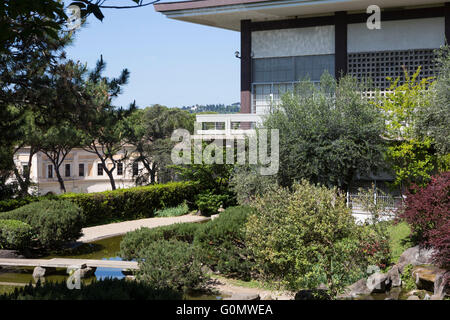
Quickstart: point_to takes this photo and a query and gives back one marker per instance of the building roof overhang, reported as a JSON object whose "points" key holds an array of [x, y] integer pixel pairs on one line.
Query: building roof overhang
{"points": [[227, 14]]}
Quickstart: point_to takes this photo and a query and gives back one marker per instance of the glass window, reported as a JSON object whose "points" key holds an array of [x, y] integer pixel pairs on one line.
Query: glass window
{"points": [[67, 170], [81, 169], [135, 168], [99, 169], [50, 171], [119, 168]]}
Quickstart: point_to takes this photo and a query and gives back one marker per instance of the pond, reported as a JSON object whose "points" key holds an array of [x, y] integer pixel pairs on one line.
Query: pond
{"points": [[105, 249]]}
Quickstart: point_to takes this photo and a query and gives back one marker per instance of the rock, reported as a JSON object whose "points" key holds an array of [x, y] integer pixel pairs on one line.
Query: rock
{"points": [[394, 276], [415, 256], [413, 298], [436, 297], [426, 276], [312, 294], [40, 272], [83, 271], [378, 282], [214, 216], [441, 284], [205, 269], [221, 209], [11, 254], [356, 289]]}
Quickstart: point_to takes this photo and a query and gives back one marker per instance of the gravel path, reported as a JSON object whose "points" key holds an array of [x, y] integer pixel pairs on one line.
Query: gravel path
{"points": [[116, 229]]}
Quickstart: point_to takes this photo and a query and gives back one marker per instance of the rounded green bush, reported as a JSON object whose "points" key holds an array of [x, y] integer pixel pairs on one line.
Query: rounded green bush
{"points": [[54, 222], [135, 241], [222, 243], [171, 265], [15, 234]]}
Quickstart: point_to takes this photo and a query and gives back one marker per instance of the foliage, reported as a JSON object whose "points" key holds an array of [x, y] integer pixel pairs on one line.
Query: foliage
{"points": [[223, 244], [413, 161], [427, 208], [325, 132], [107, 289], [171, 264], [427, 211], [149, 131], [411, 152], [54, 222], [399, 239], [132, 203], [408, 281], [434, 119], [209, 203], [247, 183], [14, 234], [305, 237], [180, 210], [134, 242]]}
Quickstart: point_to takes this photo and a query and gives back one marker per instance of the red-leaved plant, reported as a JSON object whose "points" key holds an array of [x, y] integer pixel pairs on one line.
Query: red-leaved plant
{"points": [[427, 211]]}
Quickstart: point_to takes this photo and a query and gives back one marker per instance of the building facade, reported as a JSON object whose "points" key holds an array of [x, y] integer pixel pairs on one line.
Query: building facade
{"points": [[286, 41], [81, 171]]}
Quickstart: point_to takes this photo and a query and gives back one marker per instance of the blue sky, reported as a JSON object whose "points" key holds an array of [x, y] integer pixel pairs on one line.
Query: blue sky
{"points": [[172, 63]]}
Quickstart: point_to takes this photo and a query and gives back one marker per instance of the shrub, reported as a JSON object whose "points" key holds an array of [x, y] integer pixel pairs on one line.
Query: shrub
{"points": [[108, 289], [54, 222], [305, 237], [222, 243], [247, 183], [427, 211], [208, 203], [132, 203], [171, 264], [408, 281], [134, 242], [14, 234], [180, 210]]}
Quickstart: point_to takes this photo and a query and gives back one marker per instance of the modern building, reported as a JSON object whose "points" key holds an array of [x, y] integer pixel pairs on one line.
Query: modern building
{"points": [[81, 171], [286, 41]]}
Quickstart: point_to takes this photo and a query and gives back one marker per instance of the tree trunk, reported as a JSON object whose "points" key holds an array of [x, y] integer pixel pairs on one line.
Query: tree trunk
{"points": [[60, 180], [111, 177]]}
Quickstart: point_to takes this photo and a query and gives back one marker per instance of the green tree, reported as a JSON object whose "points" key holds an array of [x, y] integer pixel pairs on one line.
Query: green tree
{"points": [[410, 154], [328, 133], [149, 131]]}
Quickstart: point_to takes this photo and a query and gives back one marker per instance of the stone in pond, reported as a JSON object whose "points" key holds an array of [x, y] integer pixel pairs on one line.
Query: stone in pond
{"points": [[378, 282]]}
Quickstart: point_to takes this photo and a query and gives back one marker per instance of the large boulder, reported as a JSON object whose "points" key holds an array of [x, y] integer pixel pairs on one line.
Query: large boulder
{"points": [[378, 282], [426, 277], [359, 288], [442, 285], [415, 256], [394, 276], [11, 254]]}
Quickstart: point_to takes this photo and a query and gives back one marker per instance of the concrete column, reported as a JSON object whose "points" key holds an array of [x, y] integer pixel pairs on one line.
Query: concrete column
{"points": [[246, 66]]}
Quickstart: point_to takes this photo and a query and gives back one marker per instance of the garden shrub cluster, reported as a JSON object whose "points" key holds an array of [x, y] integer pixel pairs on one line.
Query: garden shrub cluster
{"points": [[132, 203], [134, 242], [306, 236], [107, 289], [222, 243], [15, 235], [208, 203], [53, 222], [171, 264], [427, 211]]}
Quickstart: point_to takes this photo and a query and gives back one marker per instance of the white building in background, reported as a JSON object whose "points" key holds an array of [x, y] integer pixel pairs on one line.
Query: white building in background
{"points": [[81, 171]]}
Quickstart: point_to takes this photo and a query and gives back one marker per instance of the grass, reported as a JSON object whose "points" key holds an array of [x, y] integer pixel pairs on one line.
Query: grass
{"points": [[252, 284], [398, 239], [180, 210]]}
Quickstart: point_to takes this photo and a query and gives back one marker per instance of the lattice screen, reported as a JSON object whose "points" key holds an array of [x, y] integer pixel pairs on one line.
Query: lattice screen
{"points": [[379, 65]]}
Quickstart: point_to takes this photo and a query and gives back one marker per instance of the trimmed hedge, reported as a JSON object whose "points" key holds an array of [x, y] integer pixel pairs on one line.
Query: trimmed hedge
{"points": [[108, 289], [135, 241], [53, 222], [14, 234], [132, 203]]}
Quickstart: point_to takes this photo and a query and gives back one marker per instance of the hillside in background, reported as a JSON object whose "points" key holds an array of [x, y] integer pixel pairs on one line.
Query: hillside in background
{"points": [[219, 108]]}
